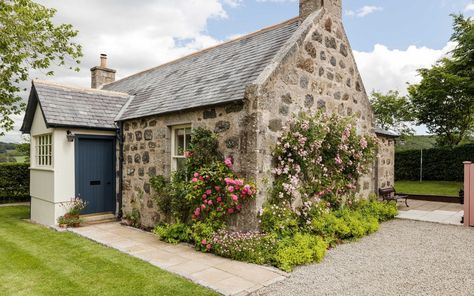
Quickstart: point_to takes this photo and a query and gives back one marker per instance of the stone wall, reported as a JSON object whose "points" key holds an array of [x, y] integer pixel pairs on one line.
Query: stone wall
{"points": [[386, 162], [317, 71], [147, 151]]}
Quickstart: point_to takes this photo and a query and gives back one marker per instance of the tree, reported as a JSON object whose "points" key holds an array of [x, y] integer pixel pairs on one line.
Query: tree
{"points": [[393, 112], [29, 40], [444, 99]]}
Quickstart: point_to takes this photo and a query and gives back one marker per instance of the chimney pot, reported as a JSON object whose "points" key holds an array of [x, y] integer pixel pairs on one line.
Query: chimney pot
{"points": [[103, 60]]}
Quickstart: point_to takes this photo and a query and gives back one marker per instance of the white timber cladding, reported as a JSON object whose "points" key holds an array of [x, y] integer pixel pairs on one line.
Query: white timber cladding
{"points": [[180, 140], [43, 150]]}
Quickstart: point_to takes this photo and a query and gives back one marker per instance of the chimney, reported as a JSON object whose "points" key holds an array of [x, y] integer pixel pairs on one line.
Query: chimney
{"points": [[307, 7], [101, 75]]}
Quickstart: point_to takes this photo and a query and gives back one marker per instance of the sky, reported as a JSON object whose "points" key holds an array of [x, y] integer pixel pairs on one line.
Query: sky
{"points": [[390, 38]]}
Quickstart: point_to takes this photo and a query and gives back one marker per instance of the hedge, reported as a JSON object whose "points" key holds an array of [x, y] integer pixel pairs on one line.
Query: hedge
{"points": [[14, 182], [439, 164]]}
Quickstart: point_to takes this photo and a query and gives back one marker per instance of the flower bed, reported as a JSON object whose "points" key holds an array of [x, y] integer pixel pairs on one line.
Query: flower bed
{"points": [[313, 204]]}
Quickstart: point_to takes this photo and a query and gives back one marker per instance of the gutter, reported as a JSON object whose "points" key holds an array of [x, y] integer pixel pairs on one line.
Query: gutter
{"points": [[120, 170]]}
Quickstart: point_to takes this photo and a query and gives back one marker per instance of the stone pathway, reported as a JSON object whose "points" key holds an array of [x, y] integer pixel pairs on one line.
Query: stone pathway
{"points": [[428, 211], [223, 275]]}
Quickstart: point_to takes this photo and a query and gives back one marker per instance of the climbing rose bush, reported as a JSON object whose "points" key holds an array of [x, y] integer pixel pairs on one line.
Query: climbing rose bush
{"points": [[215, 191], [320, 157]]}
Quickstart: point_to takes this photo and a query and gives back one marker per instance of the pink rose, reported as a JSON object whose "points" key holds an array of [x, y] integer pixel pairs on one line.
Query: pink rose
{"points": [[219, 199], [204, 242], [228, 162], [194, 180], [197, 212], [208, 191], [238, 207], [230, 211], [203, 206], [217, 188], [235, 197], [204, 196], [208, 246], [230, 188], [196, 174], [209, 202]]}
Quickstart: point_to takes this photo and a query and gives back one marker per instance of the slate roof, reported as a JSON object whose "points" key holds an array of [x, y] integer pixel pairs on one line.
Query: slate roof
{"points": [[210, 77], [65, 106], [384, 132]]}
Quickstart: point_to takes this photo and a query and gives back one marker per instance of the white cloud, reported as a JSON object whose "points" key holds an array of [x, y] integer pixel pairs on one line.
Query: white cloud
{"points": [[136, 35], [385, 69], [469, 7], [364, 11], [280, 1]]}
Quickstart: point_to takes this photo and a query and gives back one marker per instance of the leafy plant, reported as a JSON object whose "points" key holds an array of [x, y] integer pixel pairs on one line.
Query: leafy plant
{"points": [[320, 157], [215, 192], [202, 233], [253, 247], [29, 39], [174, 233], [299, 249]]}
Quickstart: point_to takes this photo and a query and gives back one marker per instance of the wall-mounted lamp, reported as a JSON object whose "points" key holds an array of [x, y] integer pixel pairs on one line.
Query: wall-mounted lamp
{"points": [[70, 136]]}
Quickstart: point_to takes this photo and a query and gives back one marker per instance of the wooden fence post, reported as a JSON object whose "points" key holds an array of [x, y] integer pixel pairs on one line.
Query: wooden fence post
{"points": [[468, 193]]}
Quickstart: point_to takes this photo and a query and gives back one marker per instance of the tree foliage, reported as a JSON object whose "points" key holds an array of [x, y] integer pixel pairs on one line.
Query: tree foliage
{"points": [[393, 112], [29, 40], [444, 99]]}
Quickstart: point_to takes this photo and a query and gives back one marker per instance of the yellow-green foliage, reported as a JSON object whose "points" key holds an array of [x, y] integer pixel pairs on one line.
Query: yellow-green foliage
{"points": [[299, 249]]}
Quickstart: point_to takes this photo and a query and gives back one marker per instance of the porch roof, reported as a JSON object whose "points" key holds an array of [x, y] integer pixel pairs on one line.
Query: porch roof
{"points": [[69, 106]]}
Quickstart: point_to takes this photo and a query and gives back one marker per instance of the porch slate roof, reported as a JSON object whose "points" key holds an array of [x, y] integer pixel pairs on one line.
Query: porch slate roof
{"points": [[69, 106], [212, 76]]}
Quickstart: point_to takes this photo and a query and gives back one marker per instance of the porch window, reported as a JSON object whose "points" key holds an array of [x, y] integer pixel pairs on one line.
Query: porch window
{"points": [[44, 150], [181, 138]]}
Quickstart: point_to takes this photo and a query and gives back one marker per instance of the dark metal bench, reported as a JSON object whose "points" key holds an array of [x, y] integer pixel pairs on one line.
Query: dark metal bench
{"points": [[389, 193]]}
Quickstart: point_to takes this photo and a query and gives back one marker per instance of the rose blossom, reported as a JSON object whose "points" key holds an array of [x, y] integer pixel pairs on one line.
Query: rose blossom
{"points": [[230, 188], [228, 162], [235, 197], [208, 191]]}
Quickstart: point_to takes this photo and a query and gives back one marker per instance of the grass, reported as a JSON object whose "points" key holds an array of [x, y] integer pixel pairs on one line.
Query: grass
{"points": [[446, 188], [37, 261]]}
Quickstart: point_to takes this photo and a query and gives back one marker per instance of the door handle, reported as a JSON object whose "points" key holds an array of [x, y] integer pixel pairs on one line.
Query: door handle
{"points": [[92, 183]]}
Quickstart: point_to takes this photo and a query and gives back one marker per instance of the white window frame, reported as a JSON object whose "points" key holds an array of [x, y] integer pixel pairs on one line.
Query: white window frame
{"points": [[174, 156], [44, 150]]}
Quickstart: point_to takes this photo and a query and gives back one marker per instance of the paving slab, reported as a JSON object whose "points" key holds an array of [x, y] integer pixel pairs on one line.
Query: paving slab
{"points": [[437, 212], [225, 276]]}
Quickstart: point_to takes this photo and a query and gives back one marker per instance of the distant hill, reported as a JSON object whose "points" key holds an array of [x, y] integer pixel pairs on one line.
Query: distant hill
{"points": [[415, 143], [9, 153], [419, 142]]}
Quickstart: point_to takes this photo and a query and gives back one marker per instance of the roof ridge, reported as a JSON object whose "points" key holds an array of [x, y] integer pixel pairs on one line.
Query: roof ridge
{"points": [[265, 29], [75, 87]]}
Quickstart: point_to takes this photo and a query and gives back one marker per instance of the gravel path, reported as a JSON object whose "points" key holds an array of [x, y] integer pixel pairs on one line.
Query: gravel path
{"points": [[403, 258]]}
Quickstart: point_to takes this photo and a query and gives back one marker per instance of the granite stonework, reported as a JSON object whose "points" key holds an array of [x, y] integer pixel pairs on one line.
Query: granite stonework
{"points": [[385, 162], [315, 70], [147, 151]]}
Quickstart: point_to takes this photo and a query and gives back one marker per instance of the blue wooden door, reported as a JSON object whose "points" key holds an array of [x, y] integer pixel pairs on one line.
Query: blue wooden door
{"points": [[95, 173]]}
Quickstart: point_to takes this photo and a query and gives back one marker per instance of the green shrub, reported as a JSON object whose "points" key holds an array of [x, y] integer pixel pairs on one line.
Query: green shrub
{"points": [[202, 233], [299, 249], [14, 182], [280, 220], [358, 224], [383, 211], [330, 227], [253, 247], [174, 233], [439, 164]]}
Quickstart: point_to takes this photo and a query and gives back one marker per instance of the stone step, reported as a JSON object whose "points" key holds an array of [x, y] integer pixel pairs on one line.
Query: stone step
{"points": [[98, 218]]}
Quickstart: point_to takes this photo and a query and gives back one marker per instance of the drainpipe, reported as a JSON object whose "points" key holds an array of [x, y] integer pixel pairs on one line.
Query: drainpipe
{"points": [[120, 160]]}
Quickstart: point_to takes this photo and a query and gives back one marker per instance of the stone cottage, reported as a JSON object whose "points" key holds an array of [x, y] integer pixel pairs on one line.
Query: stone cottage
{"points": [[245, 90]]}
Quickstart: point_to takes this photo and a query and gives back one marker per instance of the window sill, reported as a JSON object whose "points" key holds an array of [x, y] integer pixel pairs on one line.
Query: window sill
{"points": [[47, 169]]}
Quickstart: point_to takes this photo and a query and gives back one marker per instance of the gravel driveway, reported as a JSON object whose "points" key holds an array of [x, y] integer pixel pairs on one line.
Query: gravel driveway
{"points": [[403, 258]]}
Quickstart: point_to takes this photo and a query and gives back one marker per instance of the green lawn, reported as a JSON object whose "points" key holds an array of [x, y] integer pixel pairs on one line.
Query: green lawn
{"points": [[37, 261], [446, 188]]}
